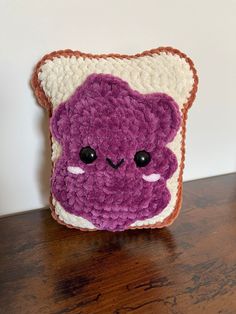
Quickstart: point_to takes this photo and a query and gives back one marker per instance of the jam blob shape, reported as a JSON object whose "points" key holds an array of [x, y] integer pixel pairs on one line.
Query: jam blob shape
{"points": [[108, 119]]}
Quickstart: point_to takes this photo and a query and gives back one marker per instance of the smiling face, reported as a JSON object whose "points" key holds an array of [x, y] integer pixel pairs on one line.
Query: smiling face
{"points": [[114, 162]]}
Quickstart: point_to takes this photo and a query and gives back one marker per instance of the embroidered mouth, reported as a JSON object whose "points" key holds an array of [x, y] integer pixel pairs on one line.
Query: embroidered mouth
{"points": [[115, 166]]}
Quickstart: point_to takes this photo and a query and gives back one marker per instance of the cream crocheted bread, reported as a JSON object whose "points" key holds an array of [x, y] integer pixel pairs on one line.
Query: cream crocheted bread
{"points": [[118, 125]]}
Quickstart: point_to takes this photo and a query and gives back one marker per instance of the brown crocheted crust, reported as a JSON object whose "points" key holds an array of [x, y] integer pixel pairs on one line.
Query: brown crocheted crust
{"points": [[45, 102]]}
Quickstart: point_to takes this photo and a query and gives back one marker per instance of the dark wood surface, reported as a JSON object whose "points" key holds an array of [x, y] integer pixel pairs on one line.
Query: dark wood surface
{"points": [[189, 267]]}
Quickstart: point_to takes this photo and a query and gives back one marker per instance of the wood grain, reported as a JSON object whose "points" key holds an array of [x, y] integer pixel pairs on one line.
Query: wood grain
{"points": [[189, 267]]}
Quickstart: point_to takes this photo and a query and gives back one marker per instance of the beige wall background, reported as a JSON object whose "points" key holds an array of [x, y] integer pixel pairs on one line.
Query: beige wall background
{"points": [[205, 30]]}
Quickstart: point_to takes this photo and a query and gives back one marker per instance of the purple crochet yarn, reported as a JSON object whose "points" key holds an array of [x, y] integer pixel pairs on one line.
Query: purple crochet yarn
{"points": [[116, 121]]}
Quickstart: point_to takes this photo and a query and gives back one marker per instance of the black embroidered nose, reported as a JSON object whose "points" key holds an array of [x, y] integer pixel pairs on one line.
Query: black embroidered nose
{"points": [[115, 166]]}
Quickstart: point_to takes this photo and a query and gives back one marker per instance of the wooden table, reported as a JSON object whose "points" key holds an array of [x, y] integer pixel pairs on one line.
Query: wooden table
{"points": [[187, 268]]}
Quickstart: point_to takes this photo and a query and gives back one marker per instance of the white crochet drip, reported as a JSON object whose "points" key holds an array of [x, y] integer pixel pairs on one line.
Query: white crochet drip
{"points": [[162, 72]]}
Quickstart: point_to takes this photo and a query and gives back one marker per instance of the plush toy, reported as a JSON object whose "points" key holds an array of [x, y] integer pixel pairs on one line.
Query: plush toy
{"points": [[118, 126]]}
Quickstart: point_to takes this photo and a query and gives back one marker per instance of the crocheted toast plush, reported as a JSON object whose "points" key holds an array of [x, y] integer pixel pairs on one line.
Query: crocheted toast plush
{"points": [[117, 125]]}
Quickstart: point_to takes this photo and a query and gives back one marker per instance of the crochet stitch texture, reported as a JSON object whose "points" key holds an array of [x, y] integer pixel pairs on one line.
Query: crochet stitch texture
{"points": [[117, 105], [107, 115]]}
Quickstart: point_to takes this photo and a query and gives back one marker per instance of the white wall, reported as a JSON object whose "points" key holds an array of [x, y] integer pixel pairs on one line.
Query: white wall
{"points": [[206, 30]]}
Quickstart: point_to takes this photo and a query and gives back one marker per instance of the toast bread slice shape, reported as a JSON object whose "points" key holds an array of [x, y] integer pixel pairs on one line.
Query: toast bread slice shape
{"points": [[163, 70]]}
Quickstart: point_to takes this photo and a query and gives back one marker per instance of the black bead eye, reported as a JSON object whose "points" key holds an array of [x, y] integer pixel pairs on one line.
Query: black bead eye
{"points": [[87, 155], [142, 158]]}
